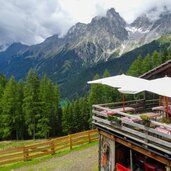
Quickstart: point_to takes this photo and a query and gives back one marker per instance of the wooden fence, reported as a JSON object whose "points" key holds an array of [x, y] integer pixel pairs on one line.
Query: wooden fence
{"points": [[48, 147]]}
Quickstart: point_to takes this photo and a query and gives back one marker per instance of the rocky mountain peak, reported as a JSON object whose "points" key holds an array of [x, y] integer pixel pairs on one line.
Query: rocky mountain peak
{"points": [[112, 23], [112, 13], [147, 27], [77, 30], [142, 22]]}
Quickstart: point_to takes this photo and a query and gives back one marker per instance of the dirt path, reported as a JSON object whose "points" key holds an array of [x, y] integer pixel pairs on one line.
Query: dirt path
{"points": [[82, 160]]}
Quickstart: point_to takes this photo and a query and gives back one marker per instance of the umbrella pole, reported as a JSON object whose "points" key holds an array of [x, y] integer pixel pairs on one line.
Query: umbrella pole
{"points": [[167, 107], [160, 101], [123, 102]]}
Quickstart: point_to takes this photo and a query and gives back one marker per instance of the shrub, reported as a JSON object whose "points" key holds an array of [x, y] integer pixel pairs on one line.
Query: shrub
{"points": [[145, 117]]}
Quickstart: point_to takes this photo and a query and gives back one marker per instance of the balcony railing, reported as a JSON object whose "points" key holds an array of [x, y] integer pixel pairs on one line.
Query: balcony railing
{"points": [[128, 124]]}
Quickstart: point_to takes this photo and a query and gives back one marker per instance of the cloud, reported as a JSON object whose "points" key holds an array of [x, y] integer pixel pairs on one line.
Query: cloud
{"points": [[32, 21]]}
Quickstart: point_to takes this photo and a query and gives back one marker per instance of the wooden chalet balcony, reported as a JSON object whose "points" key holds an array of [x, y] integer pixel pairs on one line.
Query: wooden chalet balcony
{"points": [[127, 124]]}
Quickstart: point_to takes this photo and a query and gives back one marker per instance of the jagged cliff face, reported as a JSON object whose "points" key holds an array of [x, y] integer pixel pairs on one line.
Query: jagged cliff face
{"points": [[101, 37], [91, 42], [146, 29], [106, 35]]}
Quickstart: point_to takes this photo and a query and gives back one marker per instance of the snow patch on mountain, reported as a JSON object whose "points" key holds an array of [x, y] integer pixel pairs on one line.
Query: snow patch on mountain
{"points": [[135, 29], [3, 47]]}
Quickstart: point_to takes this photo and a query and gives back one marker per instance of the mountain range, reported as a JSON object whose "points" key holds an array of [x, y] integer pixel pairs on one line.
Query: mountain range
{"points": [[105, 41]]}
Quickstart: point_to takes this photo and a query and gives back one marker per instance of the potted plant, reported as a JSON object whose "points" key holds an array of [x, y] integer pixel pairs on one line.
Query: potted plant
{"points": [[166, 120], [146, 120], [114, 119]]}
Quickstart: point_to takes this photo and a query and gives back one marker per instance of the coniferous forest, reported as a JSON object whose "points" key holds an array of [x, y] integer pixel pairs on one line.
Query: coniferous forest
{"points": [[141, 65], [33, 108]]}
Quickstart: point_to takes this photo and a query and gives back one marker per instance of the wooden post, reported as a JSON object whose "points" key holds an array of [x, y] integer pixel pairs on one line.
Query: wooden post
{"points": [[100, 143], [123, 102], [25, 153], [89, 138], [167, 107], [131, 165], [168, 168], [144, 103], [52, 147], [160, 101], [70, 142], [112, 154]]}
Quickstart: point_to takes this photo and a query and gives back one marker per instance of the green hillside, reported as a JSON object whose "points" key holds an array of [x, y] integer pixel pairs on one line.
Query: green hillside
{"points": [[77, 85]]}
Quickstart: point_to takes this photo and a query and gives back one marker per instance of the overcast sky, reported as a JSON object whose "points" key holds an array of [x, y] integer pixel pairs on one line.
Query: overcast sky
{"points": [[32, 21]]}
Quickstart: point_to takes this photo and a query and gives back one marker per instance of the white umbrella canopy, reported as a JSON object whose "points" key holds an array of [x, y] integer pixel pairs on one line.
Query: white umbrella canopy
{"points": [[161, 86], [135, 87], [123, 81], [127, 83]]}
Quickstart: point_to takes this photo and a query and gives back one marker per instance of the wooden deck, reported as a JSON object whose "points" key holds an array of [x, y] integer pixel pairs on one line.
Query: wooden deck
{"points": [[155, 138]]}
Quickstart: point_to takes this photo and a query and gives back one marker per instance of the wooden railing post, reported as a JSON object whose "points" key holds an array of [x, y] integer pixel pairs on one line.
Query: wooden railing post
{"points": [[25, 153], [89, 138], [70, 142], [52, 147]]}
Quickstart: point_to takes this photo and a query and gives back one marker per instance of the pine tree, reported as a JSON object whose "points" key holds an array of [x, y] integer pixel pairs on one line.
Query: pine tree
{"points": [[84, 113], [43, 124], [165, 55], [31, 103], [96, 92], [55, 114], [136, 67], [9, 109], [147, 63], [77, 118], [67, 119], [107, 90], [19, 122], [156, 59], [3, 82]]}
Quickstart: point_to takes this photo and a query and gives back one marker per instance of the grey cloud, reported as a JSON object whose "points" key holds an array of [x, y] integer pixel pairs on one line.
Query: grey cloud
{"points": [[31, 21], [154, 8]]}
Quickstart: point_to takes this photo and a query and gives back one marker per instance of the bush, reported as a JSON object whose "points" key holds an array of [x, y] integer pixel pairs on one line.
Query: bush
{"points": [[145, 117], [115, 119]]}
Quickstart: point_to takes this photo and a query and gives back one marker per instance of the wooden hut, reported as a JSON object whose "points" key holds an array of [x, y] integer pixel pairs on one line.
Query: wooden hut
{"points": [[128, 141]]}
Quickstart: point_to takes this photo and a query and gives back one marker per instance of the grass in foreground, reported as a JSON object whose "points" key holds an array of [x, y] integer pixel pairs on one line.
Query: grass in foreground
{"points": [[45, 158]]}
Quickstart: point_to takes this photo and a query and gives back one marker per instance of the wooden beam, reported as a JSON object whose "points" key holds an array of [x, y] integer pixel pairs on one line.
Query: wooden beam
{"points": [[167, 107], [131, 162], [100, 144], [138, 149]]}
